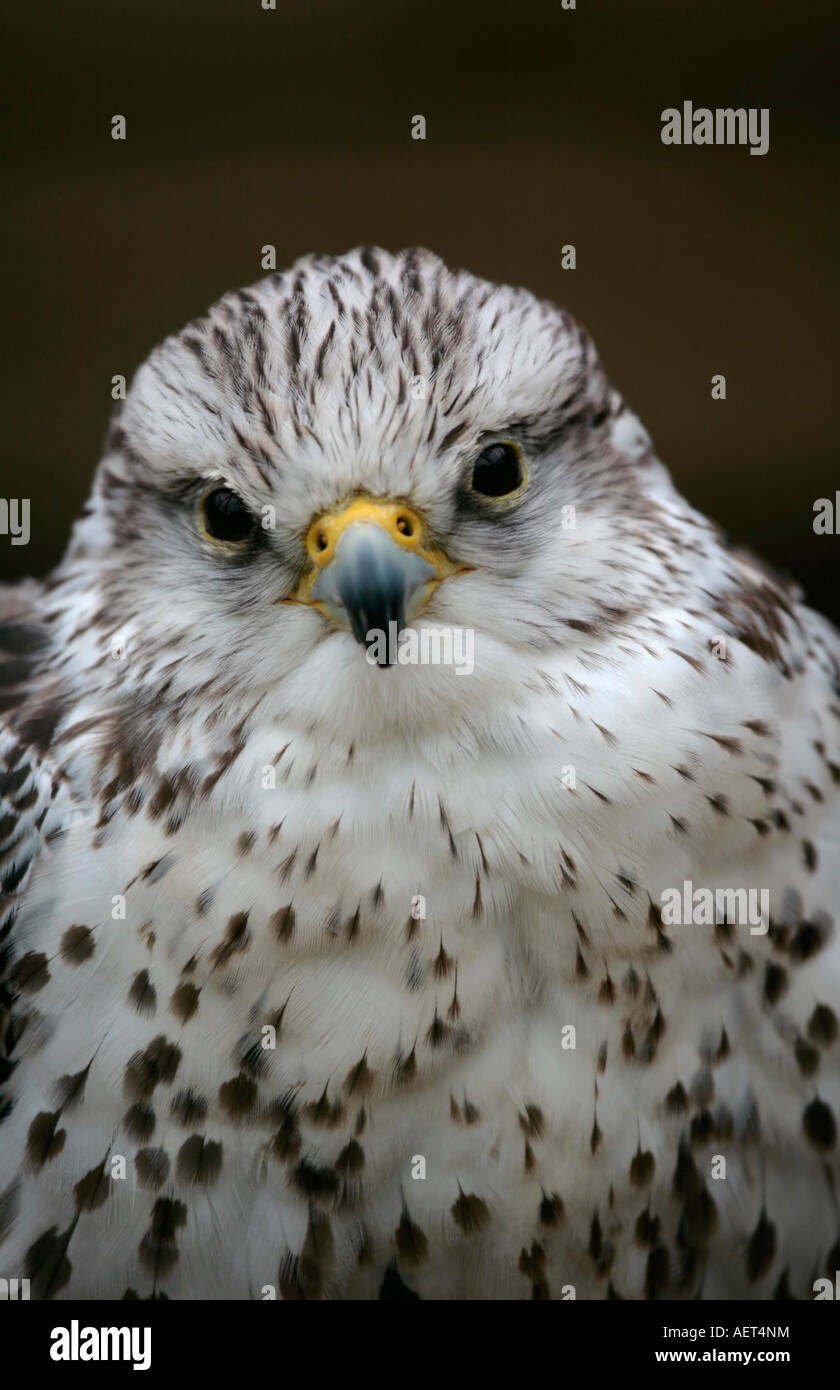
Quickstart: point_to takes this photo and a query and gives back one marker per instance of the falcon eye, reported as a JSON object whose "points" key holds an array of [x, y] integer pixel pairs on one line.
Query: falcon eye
{"points": [[498, 472], [225, 516]]}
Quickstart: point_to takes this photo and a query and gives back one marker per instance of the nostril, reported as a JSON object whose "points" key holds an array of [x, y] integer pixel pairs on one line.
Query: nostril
{"points": [[405, 526], [321, 541]]}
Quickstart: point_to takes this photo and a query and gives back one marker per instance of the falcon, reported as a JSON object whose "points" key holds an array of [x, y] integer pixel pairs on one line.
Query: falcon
{"points": [[331, 975]]}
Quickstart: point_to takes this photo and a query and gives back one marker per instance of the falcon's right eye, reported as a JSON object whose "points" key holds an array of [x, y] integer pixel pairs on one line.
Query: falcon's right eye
{"points": [[225, 517], [499, 473]]}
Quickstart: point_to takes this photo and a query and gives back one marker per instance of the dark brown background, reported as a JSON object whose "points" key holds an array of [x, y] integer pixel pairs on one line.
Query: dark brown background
{"points": [[293, 127]]}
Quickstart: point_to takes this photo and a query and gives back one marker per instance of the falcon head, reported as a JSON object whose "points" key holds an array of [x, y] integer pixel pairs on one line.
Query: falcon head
{"points": [[364, 441]]}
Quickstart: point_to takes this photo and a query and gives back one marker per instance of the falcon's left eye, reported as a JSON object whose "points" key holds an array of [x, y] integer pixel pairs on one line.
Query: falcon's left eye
{"points": [[225, 517]]}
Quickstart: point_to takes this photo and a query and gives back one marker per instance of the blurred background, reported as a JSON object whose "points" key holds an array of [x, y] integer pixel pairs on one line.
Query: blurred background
{"points": [[293, 126]]}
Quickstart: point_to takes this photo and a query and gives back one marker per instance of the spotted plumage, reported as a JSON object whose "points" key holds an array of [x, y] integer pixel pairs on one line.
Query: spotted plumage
{"points": [[340, 981]]}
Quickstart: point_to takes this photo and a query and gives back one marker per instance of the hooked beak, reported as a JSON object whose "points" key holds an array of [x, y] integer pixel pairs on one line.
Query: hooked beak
{"points": [[370, 566]]}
